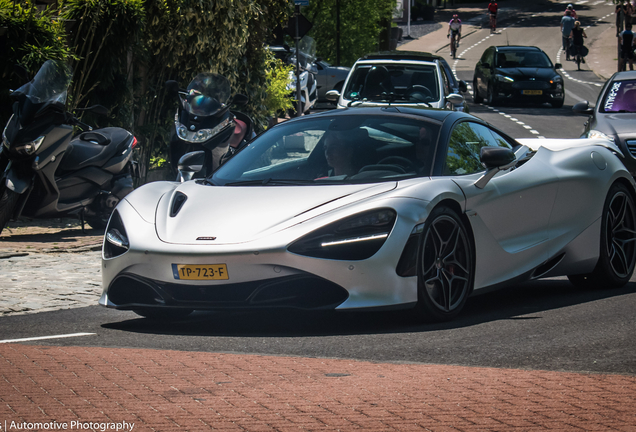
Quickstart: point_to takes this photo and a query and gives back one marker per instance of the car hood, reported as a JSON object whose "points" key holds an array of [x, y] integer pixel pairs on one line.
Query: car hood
{"points": [[544, 74], [235, 214], [616, 124]]}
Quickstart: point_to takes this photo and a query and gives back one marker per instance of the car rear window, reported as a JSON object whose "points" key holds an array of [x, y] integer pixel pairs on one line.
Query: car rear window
{"points": [[620, 96]]}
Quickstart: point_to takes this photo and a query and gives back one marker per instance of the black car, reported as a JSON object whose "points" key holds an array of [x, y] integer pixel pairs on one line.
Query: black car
{"points": [[517, 73], [614, 116]]}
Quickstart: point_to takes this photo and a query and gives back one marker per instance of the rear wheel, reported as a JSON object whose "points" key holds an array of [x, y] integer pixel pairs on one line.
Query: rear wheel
{"points": [[8, 201], [618, 242], [445, 266]]}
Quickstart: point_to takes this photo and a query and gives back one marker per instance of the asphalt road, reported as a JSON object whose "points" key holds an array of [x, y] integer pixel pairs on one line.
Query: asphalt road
{"points": [[546, 324]]}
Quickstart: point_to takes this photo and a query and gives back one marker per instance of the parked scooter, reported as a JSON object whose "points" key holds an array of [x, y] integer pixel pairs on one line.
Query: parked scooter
{"points": [[207, 133], [307, 72], [45, 171]]}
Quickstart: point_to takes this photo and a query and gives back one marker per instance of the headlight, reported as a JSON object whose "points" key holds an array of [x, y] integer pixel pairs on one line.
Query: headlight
{"points": [[116, 238], [556, 79], [598, 134], [354, 238], [201, 135], [503, 78], [28, 148]]}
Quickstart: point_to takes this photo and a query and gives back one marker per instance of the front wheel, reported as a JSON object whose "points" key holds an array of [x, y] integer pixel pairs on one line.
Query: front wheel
{"points": [[476, 97], [492, 100], [445, 266], [8, 201], [618, 242]]}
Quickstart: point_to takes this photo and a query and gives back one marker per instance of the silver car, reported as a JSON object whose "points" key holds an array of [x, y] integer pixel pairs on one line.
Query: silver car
{"points": [[373, 208], [402, 78]]}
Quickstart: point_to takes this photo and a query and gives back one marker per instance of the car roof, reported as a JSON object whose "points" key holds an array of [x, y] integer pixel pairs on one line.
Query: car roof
{"points": [[517, 48], [624, 75], [429, 113], [401, 55]]}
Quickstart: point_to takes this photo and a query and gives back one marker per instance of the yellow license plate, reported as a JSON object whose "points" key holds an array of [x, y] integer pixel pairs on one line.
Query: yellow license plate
{"points": [[200, 272], [532, 92]]}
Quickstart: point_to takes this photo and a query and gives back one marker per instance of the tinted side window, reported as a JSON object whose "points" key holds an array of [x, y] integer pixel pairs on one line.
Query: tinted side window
{"points": [[464, 145], [447, 83], [487, 57], [499, 140]]}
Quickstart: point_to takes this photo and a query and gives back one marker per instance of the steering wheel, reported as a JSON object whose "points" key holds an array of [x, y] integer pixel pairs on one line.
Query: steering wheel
{"points": [[403, 162], [419, 92]]}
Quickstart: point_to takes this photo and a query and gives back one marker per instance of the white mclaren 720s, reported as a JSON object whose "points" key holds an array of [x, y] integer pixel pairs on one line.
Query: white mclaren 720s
{"points": [[389, 207]]}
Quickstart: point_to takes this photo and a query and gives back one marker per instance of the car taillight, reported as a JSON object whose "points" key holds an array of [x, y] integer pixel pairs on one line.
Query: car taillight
{"points": [[134, 143]]}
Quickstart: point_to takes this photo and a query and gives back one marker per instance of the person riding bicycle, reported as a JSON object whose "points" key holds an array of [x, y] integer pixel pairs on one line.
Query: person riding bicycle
{"points": [[492, 10], [572, 11], [567, 24], [455, 28], [577, 34]]}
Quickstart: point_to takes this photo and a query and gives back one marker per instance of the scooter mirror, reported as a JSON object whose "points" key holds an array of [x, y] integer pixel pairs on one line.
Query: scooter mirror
{"points": [[240, 99], [172, 87]]}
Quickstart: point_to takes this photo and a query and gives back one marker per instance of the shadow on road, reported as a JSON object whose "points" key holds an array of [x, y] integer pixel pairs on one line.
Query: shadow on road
{"points": [[516, 303]]}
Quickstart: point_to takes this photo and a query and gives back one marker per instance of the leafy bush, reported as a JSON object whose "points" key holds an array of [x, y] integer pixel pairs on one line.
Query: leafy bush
{"points": [[29, 38], [279, 97]]}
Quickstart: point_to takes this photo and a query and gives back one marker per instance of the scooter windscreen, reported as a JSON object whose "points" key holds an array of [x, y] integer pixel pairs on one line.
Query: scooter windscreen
{"points": [[49, 84], [208, 94]]}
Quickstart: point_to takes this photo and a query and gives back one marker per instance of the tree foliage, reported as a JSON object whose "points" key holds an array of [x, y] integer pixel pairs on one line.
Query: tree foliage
{"points": [[361, 22]]}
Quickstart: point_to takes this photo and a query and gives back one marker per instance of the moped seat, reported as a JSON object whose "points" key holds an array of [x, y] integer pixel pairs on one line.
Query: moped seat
{"points": [[94, 148]]}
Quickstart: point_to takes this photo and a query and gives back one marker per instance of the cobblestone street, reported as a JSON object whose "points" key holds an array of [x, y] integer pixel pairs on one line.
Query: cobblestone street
{"points": [[41, 282]]}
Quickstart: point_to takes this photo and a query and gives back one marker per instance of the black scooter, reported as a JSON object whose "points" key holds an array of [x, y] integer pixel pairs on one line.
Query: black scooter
{"points": [[207, 133], [45, 171]]}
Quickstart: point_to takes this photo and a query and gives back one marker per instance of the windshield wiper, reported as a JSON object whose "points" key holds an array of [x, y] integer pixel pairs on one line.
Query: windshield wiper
{"points": [[269, 182]]}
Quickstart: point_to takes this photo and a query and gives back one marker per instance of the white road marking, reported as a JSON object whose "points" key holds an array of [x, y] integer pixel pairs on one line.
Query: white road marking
{"points": [[46, 337]]}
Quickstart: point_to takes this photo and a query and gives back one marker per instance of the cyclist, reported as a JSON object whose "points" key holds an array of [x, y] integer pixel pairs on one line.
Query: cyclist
{"points": [[455, 28], [572, 11], [492, 10], [567, 24], [577, 34]]}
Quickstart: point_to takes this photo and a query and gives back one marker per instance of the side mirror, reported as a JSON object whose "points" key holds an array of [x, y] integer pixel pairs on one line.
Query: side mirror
{"points": [[333, 95], [240, 99], [495, 159], [172, 87], [463, 87], [455, 99], [189, 164], [582, 108], [558, 66]]}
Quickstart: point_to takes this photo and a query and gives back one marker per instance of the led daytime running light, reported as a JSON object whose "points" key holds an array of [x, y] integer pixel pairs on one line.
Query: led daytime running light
{"points": [[201, 135], [355, 240]]}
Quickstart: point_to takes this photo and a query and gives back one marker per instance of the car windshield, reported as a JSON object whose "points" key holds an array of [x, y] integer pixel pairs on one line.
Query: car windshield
{"points": [[334, 150], [413, 83], [620, 97], [535, 59]]}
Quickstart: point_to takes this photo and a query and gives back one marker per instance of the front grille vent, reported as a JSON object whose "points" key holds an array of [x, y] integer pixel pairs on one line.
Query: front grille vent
{"points": [[631, 146]]}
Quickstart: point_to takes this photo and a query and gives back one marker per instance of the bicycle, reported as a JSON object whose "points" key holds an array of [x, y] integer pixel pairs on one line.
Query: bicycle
{"points": [[493, 23], [453, 44]]}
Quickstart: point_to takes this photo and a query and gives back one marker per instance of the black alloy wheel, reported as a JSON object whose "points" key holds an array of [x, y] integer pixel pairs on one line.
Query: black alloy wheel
{"points": [[445, 266], [492, 101], [618, 242]]}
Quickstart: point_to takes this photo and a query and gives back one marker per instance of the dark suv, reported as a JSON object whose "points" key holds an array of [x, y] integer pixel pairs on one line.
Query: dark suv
{"points": [[405, 78]]}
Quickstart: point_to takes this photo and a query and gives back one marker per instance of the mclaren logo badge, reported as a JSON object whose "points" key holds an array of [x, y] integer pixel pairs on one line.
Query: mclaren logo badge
{"points": [[206, 238]]}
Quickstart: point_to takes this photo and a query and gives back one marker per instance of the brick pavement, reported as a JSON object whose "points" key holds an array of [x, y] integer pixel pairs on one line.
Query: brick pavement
{"points": [[168, 390]]}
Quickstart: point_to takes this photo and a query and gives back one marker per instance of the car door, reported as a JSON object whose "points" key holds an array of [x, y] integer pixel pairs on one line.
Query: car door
{"points": [[510, 215], [483, 70]]}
